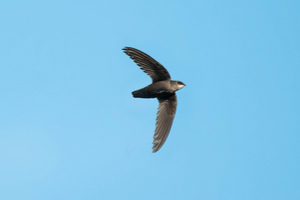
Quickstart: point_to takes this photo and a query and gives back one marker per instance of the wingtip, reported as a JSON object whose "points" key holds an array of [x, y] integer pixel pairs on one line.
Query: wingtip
{"points": [[154, 150], [127, 48], [155, 147]]}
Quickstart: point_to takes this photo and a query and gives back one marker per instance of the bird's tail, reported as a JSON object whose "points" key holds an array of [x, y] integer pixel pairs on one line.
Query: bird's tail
{"points": [[142, 93]]}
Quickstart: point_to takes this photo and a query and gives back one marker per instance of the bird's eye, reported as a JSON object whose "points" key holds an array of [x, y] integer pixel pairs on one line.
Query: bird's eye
{"points": [[180, 83]]}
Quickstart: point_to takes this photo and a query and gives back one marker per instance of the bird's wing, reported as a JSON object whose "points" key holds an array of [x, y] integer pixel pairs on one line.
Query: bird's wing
{"points": [[164, 120], [150, 66]]}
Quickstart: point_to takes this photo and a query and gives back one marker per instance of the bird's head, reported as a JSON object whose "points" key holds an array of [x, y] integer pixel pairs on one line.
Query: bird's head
{"points": [[178, 85]]}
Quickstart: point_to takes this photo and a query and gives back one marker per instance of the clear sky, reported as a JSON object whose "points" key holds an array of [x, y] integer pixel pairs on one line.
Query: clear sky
{"points": [[70, 128]]}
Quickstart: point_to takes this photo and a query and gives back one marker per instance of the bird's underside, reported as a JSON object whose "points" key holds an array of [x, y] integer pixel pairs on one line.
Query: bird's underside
{"points": [[160, 89]]}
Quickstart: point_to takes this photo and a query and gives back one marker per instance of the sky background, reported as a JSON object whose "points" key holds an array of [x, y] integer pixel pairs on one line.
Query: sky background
{"points": [[70, 129]]}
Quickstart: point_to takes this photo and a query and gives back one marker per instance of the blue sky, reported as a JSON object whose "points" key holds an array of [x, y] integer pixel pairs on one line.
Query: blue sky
{"points": [[70, 129]]}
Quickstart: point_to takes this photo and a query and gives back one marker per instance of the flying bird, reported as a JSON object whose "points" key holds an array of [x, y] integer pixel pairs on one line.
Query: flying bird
{"points": [[162, 88]]}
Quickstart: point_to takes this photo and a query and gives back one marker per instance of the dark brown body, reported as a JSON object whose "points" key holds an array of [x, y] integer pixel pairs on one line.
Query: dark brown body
{"points": [[161, 89]]}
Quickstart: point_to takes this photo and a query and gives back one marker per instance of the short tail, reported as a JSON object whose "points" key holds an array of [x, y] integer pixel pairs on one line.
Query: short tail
{"points": [[136, 93], [142, 93]]}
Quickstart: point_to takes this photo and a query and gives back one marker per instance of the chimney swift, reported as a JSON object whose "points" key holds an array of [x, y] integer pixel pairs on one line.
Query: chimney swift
{"points": [[162, 88]]}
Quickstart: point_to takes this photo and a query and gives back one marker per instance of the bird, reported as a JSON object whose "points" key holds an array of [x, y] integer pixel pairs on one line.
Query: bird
{"points": [[162, 88]]}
